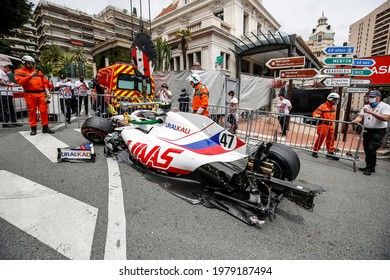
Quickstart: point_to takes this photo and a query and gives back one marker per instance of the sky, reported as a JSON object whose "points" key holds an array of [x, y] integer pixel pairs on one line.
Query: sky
{"points": [[295, 16]]}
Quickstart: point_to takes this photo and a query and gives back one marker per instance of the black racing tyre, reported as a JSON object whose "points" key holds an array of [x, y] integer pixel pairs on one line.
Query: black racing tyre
{"points": [[95, 129], [286, 162]]}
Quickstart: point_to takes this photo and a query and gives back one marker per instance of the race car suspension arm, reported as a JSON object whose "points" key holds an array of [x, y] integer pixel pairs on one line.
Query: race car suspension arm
{"points": [[301, 196]]}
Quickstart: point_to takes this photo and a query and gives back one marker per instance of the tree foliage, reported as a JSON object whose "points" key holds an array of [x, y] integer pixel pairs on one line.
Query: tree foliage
{"points": [[14, 13], [56, 61], [164, 54], [184, 36]]}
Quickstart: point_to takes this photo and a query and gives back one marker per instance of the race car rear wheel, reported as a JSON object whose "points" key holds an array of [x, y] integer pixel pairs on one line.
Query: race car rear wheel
{"points": [[95, 129], [285, 160]]}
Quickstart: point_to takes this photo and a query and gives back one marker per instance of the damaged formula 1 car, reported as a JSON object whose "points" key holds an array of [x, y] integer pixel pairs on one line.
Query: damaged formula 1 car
{"points": [[216, 168]]}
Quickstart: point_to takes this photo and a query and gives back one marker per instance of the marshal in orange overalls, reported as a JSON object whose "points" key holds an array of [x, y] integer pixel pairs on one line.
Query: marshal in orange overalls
{"points": [[201, 98], [325, 129], [34, 88]]}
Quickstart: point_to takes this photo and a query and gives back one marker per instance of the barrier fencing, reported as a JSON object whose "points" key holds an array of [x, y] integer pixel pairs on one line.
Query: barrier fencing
{"points": [[250, 125], [301, 131]]}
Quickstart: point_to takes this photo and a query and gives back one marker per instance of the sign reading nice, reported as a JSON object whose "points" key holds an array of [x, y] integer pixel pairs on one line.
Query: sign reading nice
{"points": [[380, 70]]}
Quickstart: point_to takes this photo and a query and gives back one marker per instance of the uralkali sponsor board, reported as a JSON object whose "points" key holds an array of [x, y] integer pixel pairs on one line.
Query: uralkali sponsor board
{"points": [[380, 70]]}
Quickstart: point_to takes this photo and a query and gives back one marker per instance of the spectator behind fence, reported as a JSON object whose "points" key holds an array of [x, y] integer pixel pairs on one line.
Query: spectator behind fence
{"points": [[325, 129], [164, 95], [184, 100], [100, 90], [233, 113], [7, 109], [375, 116], [284, 107], [200, 101], [65, 87], [35, 85], [82, 93]]}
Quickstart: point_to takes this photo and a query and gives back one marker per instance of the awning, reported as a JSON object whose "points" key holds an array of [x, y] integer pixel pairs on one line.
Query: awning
{"points": [[77, 43]]}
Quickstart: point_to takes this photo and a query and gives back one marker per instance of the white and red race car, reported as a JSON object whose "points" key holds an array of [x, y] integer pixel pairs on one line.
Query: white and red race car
{"points": [[212, 166]]}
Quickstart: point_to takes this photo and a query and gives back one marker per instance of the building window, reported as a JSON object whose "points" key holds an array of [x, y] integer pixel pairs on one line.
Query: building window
{"points": [[187, 1], [226, 60], [220, 15], [198, 58], [190, 60], [319, 38], [246, 24]]}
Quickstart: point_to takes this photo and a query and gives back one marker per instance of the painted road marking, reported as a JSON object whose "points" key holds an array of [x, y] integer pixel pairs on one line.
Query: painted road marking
{"points": [[116, 228], [63, 223], [45, 143]]}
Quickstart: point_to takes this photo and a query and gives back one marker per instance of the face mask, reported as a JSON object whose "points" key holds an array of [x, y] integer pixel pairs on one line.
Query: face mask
{"points": [[373, 102], [64, 81]]}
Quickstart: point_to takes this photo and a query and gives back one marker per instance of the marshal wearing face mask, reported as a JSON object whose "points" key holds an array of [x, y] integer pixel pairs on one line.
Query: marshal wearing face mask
{"points": [[375, 116]]}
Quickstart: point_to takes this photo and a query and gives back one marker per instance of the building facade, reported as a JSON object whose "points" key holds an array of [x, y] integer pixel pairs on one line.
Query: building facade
{"points": [[371, 34], [321, 37], [24, 41], [214, 25], [69, 28]]}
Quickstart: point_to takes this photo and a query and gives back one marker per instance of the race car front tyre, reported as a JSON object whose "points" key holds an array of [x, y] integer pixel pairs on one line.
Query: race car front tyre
{"points": [[95, 129], [286, 162]]}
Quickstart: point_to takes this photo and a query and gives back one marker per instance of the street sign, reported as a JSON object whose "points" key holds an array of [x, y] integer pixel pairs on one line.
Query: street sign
{"points": [[363, 62], [219, 60], [301, 74], [337, 82], [357, 90], [380, 71], [298, 61], [338, 60], [336, 70], [361, 72], [339, 50], [360, 81]]}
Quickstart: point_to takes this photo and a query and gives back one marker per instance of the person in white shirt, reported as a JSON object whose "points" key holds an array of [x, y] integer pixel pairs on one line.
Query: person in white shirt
{"points": [[375, 116], [7, 109], [65, 88], [82, 89], [284, 107], [233, 112], [164, 95]]}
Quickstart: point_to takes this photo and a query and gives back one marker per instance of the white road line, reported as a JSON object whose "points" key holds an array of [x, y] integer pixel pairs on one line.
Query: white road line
{"points": [[45, 143], [116, 229], [63, 223]]}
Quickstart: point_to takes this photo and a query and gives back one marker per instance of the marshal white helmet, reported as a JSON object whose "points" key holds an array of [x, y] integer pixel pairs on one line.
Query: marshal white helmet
{"points": [[27, 58], [195, 78], [333, 96]]}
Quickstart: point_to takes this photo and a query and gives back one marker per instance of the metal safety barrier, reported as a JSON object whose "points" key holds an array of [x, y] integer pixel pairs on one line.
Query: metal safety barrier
{"points": [[14, 110], [301, 132], [252, 126]]}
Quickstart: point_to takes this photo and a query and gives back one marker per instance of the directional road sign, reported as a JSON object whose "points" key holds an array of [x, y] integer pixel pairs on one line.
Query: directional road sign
{"points": [[301, 74], [357, 90], [336, 70], [339, 50], [363, 62], [360, 81], [337, 82], [361, 72], [338, 60], [298, 61]]}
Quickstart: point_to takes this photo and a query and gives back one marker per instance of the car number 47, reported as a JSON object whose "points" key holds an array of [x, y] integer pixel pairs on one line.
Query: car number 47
{"points": [[227, 141]]}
